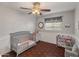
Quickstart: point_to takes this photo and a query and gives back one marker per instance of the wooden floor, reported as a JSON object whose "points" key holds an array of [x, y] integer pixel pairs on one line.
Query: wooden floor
{"points": [[42, 49]]}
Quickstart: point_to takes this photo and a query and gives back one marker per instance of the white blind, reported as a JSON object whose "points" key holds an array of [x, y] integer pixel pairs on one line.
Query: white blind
{"points": [[54, 23]]}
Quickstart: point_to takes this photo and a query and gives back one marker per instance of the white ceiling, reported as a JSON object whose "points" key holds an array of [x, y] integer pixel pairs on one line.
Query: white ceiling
{"points": [[54, 6]]}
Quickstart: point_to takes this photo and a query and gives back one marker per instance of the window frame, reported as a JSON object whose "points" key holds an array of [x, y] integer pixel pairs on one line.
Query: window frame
{"points": [[54, 20]]}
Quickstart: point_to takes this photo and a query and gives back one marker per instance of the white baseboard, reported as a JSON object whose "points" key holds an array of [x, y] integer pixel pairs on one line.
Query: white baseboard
{"points": [[4, 44], [4, 51]]}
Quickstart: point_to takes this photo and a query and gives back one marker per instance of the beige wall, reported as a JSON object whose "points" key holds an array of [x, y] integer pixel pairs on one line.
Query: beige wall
{"points": [[76, 23], [50, 36], [12, 21]]}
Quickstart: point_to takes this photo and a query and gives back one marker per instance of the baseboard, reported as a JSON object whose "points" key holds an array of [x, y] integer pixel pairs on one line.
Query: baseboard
{"points": [[48, 42], [4, 51], [4, 44]]}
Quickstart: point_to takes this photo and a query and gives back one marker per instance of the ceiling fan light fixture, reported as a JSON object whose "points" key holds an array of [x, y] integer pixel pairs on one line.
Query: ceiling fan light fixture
{"points": [[36, 8], [36, 12]]}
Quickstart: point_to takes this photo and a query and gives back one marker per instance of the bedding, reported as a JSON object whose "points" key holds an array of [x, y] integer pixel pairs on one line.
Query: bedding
{"points": [[28, 42], [24, 39]]}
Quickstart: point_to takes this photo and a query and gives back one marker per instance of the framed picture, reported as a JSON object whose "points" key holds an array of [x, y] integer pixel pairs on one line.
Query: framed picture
{"points": [[40, 25]]}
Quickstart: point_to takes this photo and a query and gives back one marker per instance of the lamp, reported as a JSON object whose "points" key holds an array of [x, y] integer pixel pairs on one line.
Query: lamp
{"points": [[36, 8]]}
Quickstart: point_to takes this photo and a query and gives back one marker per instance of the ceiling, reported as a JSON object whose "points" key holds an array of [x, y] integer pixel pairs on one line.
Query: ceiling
{"points": [[54, 6]]}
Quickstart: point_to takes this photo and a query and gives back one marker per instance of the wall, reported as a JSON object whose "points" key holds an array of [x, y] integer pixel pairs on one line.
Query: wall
{"points": [[76, 23], [50, 36], [13, 21]]}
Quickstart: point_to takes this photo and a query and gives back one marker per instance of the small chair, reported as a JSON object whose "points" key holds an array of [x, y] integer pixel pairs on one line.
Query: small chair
{"points": [[69, 43], [74, 52]]}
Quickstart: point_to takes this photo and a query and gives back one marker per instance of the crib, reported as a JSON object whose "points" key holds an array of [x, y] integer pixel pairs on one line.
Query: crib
{"points": [[21, 41]]}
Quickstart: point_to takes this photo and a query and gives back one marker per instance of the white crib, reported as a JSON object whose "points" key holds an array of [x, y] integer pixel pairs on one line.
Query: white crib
{"points": [[21, 41]]}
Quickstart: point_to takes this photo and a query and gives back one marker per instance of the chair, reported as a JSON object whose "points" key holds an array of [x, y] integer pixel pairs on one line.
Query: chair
{"points": [[69, 43], [64, 40], [74, 52]]}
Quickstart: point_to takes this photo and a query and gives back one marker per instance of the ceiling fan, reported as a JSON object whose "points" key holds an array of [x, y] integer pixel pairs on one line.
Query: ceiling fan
{"points": [[36, 10]]}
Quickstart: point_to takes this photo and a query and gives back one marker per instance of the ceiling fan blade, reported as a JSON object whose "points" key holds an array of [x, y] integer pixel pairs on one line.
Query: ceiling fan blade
{"points": [[47, 10], [30, 13], [25, 8]]}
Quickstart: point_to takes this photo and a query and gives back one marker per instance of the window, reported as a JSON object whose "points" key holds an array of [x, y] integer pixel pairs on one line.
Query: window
{"points": [[54, 23]]}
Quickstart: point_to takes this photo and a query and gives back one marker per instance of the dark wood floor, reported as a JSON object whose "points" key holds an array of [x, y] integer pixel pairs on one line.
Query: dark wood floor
{"points": [[42, 49]]}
